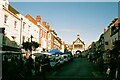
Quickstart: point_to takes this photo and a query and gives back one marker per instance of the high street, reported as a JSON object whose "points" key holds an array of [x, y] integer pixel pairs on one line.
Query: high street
{"points": [[79, 68]]}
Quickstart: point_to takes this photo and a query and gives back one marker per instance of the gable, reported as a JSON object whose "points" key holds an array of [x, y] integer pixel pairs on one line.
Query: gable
{"points": [[78, 41]]}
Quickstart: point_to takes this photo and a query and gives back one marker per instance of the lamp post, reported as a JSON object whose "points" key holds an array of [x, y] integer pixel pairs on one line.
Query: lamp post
{"points": [[31, 37], [31, 41], [2, 30]]}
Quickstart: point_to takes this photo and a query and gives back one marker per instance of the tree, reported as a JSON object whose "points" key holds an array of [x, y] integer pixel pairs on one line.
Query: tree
{"points": [[34, 45], [30, 45], [116, 48], [65, 50]]}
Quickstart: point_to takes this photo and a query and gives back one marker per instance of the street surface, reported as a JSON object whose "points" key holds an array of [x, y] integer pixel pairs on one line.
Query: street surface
{"points": [[78, 69]]}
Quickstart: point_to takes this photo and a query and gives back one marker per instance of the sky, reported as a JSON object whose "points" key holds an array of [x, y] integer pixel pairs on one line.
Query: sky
{"points": [[69, 18], [64, 0]]}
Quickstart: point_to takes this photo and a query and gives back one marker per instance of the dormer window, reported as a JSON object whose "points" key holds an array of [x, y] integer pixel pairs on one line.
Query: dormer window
{"points": [[5, 3]]}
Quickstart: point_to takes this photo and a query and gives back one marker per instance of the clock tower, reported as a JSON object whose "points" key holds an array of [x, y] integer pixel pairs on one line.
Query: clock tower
{"points": [[78, 45]]}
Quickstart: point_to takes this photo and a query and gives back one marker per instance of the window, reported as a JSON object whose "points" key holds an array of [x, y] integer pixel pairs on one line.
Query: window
{"points": [[49, 35], [29, 28], [23, 25], [106, 43], [15, 24], [5, 19], [78, 46]]}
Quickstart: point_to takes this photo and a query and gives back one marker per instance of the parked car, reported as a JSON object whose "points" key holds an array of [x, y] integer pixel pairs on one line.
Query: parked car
{"points": [[53, 61], [61, 59]]}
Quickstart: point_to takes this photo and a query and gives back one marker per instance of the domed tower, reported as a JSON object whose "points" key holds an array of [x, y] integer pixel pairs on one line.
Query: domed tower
{"points": [[78, 45]]}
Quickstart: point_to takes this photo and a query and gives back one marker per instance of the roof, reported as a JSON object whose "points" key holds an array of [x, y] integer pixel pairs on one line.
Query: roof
{"points": [[10, 8], [29, 17], [117, 21], [113, 21], [78, 40]]}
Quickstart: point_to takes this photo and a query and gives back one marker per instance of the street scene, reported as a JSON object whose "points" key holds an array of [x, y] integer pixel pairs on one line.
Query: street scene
{"points": [[78, 69], [59, 40]]}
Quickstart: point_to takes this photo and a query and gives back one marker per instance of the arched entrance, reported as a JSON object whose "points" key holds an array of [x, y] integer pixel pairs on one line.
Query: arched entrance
{"points": [[78, 53]]}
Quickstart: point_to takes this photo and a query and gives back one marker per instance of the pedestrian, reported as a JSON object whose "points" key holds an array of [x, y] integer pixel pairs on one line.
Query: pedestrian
{"points": [[37, 65], [48, 63], [101, 64], [29, 66], [118, 68], [5, 68], [113, 66], [44, 67]]}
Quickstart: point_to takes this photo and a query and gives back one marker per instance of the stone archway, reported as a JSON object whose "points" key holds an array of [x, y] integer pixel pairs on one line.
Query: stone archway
{"points": [[78, 52]]}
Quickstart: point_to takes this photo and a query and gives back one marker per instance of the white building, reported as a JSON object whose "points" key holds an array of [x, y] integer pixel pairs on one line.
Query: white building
{"points": [[78, 45], [49, 41], [18, 29], [31, 28], [11, 22]]}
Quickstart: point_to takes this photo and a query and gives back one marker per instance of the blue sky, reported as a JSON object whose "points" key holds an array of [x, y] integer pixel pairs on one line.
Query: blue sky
{"points": [[69, 18], [64, 0]]}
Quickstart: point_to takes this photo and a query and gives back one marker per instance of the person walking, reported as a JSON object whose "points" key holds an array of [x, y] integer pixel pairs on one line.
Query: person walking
{"points": [[118, 68], [101, 64], [113, 66]]}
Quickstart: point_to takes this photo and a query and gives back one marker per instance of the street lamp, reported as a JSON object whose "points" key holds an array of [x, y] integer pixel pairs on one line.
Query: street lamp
{"points": [[31, 37], [31, 41]]}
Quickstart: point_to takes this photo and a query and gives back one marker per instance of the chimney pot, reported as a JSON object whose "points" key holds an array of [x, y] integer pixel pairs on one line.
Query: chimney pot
{"points": [[104, 30], [38, 18], [44, 23]]}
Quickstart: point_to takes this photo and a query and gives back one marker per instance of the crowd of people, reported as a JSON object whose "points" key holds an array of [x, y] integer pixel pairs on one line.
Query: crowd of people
{"points": [[112, 67], [22, 68]]}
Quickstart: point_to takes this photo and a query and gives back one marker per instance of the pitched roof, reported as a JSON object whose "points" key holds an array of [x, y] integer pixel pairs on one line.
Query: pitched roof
{"points": [[78, 40], [28, 16], [14, 11]]}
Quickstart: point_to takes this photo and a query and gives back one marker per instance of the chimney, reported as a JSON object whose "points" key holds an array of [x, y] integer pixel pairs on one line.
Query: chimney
{"points": [[48, 26], [44, 23], [38, 19], [104, 30]]}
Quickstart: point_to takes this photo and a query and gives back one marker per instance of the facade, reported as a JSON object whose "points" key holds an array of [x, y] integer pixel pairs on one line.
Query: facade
{"points": [[112, 34], [43, 36], [20, 29], [56, 41], [40, 32], [32, 29], [115, 30], [78, 45], [107, 39], [49, 36], [12, 23], [101, 42]]}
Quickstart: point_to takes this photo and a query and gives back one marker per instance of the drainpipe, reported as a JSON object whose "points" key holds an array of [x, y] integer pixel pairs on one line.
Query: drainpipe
{"points": [[21, 32]]}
